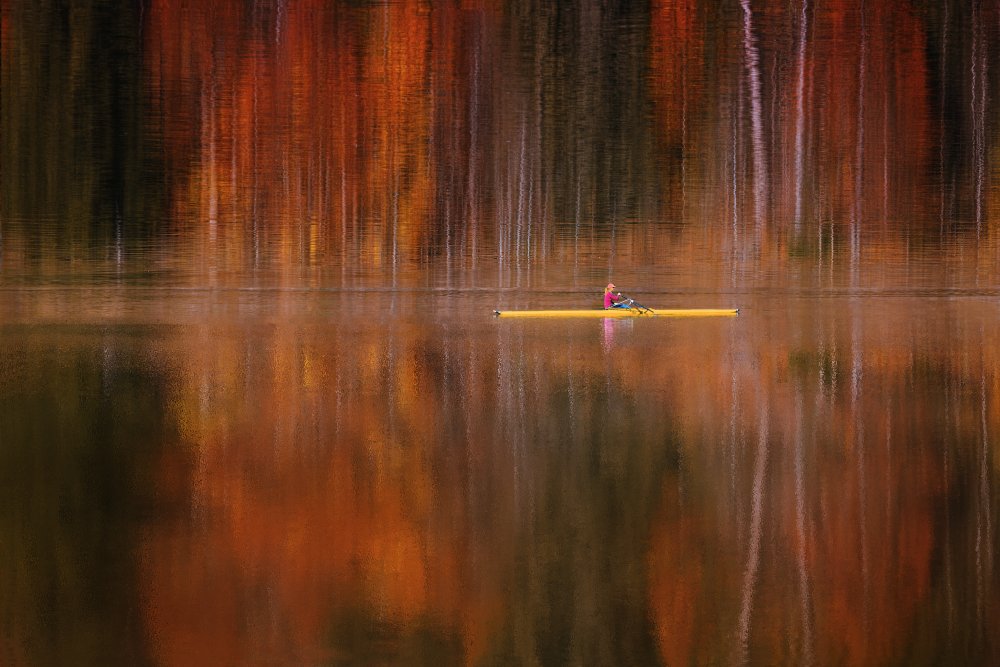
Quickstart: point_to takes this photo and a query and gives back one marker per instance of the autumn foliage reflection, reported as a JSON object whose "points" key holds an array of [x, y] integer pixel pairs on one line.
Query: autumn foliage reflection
{"points": [[321, 518], [860, 483], [344, 494]]}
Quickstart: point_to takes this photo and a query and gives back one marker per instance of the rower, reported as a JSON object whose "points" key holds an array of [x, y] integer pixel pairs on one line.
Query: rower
{"points": [[611, 299]]}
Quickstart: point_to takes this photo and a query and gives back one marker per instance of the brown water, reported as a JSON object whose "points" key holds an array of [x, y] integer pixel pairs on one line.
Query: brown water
{"points": [[254, 407]]}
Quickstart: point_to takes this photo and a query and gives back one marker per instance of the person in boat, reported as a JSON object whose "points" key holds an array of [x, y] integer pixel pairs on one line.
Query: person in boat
{"points": [[611, 300]]}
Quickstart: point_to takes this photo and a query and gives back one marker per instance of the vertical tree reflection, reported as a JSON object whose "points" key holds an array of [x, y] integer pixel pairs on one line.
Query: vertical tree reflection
{"points": [[852, 497]]}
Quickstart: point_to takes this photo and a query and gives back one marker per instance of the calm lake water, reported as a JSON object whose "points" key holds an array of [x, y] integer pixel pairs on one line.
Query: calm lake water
{"points": [[255, 408]]}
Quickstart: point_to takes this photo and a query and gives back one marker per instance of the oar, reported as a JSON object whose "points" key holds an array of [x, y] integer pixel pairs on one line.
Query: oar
{"points": [[638, 306]]}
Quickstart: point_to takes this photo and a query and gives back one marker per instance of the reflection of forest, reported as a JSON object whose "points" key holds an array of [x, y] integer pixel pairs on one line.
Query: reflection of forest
{"points": [[81, 424], [402, 489], [799, 483], [422, 491], [879, 455]]}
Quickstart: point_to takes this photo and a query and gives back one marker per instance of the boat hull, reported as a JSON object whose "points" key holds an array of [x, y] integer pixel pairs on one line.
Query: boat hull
{"points": [[621, 313]]}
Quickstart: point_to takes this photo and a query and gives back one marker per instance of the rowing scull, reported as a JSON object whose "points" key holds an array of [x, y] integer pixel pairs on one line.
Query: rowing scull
{"points": [[623, 312]]}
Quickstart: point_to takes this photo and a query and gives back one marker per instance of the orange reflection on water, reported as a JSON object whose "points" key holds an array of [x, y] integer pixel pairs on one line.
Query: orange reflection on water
{"points": [[859, 485], [767, 486], [308, 511]]}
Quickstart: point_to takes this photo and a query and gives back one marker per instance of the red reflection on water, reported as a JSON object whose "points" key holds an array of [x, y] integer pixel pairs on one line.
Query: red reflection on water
{"points": [[314, 511]]}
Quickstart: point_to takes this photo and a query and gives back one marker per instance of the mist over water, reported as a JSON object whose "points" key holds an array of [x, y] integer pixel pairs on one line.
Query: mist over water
{"points": [[255, 408]]}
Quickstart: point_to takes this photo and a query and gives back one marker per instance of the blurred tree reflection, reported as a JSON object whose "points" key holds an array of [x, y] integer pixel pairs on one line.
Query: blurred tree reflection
{"points": [[80, 424]]}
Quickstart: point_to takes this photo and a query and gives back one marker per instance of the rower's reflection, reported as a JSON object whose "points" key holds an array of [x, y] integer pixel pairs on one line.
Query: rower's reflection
{"points": [[612, 327]]}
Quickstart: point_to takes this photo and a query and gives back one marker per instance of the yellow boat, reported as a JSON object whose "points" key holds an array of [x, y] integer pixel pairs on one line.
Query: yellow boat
{"points": [[623, 312]]}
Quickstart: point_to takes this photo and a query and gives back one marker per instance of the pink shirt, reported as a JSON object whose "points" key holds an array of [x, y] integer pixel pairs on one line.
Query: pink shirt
{"points": [[608, 298]]}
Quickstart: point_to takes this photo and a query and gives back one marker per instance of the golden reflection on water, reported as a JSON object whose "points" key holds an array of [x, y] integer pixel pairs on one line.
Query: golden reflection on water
{"points": [[816, 484]]}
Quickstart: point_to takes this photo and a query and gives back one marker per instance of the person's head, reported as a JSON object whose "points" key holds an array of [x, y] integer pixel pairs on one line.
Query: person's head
{"points": [[610, 287]]}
